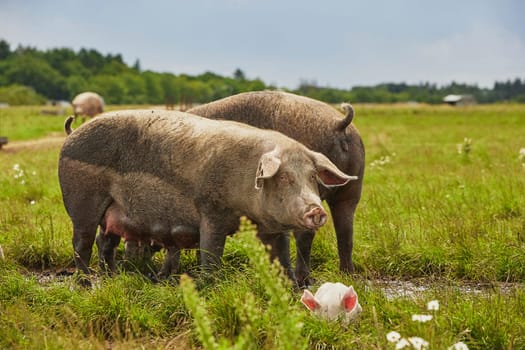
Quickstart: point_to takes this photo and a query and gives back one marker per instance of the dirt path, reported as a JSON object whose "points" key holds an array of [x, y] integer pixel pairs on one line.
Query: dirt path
{"points": [[52, 140]]}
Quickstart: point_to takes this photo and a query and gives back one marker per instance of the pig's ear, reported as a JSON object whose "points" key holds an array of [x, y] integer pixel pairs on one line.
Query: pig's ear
{"points": [[268, 166], [349, 301], [309, 300], [328, 174]]}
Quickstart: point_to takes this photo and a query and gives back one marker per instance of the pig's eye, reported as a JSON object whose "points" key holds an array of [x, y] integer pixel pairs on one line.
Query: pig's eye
{"points": [[285, 179], [313, 178]]}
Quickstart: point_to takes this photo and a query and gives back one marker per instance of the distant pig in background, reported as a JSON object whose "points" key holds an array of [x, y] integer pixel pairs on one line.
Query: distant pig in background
{"points": [[333, 301], [87, 104]]}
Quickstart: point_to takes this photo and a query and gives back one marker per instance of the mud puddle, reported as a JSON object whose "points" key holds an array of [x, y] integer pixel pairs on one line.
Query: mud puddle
{"points": [[393, 289], [412, 289]]}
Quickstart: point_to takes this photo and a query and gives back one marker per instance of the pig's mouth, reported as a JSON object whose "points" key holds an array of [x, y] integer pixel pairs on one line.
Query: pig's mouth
{"points": [[314, 218]]}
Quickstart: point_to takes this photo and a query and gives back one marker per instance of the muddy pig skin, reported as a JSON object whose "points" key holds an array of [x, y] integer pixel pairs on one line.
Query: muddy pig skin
{"points": [[181, 180], [321, 128]]}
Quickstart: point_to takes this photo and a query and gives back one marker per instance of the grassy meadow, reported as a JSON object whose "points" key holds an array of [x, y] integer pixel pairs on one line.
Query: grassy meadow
{"points": [[442, 217]]}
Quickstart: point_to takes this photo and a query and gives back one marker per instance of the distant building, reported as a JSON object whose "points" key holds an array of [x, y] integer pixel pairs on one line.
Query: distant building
{"points": [[459, 100]]}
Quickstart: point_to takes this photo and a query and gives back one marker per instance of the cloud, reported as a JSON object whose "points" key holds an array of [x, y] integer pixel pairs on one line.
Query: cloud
{"points": [[483, 53], [340, 44]]}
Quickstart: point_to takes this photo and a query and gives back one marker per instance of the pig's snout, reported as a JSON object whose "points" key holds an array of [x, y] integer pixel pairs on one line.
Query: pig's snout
{"points": [[315, 218]]}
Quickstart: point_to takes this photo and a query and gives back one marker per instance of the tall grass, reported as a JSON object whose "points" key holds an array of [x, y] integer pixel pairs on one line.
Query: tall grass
{"points": [[431, 210], [273, 325], [437, 209]]}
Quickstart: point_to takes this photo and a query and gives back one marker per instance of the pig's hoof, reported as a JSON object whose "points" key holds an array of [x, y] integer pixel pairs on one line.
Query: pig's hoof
{"points": [[305, 283], [152, 276], [169, 279], [82, 280]]}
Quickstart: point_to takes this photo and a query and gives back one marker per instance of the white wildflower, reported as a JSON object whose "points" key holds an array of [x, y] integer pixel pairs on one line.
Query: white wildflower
{"points": [[464, 147], [381, 161], [32, 202], [421, 318], [19, 172], [393, 337], [402, 343], [418, 343], [459, 346], [23, 182], [433, 305]]}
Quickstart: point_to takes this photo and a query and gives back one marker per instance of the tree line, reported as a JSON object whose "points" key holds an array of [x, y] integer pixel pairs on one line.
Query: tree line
{"points": [[32, 76]]}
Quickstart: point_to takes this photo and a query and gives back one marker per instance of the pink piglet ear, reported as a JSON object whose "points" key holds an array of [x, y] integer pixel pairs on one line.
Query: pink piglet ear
{"points": [[349, 301], [309, 301]]}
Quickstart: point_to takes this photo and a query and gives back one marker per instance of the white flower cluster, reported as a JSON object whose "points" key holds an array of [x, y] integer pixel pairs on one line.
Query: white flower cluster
{"points": [[401, 343], [521, 157], [464, 147], [381, 162], [422, 318], [433, 305], [459, 346], [19, 173], [417, 342], [20, 176]]}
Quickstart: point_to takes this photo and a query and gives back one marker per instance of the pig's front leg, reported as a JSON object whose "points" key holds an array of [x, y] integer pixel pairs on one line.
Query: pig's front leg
{"points": [[212, 240], [343, 217], [280, 249], [303, 243]]}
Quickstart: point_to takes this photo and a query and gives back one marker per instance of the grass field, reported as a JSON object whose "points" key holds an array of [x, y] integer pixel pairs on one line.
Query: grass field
{"points": [[443, 211]]}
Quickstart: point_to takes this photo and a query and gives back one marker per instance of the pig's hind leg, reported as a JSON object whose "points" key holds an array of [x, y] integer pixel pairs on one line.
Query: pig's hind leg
{"points": [[83, 239], [113, 226], [84, 231], [171, 262], [107, 243], [183, 237]]}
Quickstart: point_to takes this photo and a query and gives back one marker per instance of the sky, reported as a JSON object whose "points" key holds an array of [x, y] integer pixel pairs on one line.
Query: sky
{"points": [[335, 43]]}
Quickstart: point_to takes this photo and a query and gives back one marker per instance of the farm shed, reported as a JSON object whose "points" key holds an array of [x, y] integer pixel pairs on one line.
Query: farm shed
{"points": [[459, 100]]}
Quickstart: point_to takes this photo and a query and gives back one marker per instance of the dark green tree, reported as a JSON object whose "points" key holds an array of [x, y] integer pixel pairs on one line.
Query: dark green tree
{"points": [[5, 49], [136, 66], [35, 72], [239, 75], [154, 92]]}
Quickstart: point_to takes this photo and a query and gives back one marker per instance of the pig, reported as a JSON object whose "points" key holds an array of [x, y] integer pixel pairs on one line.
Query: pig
{"points": [[88, 104], [183, 181], [333, 301], [321, 128]]}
